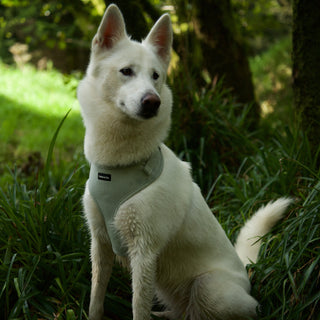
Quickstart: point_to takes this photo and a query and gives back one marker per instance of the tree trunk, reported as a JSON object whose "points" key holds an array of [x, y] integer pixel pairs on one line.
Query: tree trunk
{"points": [[306, 67], [223, 52]]}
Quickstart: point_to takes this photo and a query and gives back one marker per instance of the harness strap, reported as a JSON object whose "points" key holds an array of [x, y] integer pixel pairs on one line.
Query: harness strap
{"points": [[110, 187]]}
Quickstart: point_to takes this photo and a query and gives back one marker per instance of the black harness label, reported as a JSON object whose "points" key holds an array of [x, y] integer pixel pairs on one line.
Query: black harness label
{"points": [[104, 176]]}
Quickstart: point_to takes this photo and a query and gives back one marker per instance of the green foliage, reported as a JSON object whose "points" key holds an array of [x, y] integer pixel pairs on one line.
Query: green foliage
{"points": [[44, 268], [262, 22], [209, 129], [53, 24], [44, 251], [271, 72], [286, 278], [32, 102]]}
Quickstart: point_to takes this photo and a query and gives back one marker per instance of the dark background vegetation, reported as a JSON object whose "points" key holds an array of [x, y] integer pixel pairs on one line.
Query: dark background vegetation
{"points": [[244, 75]]}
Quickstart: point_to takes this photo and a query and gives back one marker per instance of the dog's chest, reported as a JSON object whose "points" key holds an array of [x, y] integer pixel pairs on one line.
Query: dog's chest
{"points": [[111, 187]]}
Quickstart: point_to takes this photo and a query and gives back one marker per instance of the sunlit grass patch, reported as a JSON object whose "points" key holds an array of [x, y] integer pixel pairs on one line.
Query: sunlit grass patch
{"points": [[48, 93], [32, 102]]}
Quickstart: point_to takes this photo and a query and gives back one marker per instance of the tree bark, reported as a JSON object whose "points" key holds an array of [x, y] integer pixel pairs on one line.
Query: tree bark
{"points": [[306, 67], [224, 54]]}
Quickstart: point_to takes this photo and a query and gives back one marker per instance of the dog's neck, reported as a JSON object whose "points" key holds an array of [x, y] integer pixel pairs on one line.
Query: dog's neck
{"points": [[120, 141]]}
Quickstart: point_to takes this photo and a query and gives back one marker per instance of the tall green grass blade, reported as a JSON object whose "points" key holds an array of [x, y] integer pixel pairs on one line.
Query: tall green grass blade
{"points": [[50, 150]]}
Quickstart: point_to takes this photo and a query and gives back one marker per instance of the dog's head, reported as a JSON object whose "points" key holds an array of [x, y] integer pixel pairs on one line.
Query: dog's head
{"points": [[127, 75]]}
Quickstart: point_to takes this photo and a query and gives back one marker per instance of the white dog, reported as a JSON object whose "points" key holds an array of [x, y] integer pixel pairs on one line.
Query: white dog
{"points": [[157, 219]]}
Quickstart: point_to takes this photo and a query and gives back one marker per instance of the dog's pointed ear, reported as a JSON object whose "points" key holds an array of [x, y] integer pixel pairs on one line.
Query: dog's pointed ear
{"points": [[160, 37], [111, 30]]}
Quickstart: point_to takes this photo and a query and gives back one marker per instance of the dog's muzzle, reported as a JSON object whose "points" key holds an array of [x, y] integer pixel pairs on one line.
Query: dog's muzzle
{"points": [[150, 104]]}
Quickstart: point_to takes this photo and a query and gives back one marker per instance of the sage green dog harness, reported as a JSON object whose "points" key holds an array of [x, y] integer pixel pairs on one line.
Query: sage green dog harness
{"points": [[110, 187]]}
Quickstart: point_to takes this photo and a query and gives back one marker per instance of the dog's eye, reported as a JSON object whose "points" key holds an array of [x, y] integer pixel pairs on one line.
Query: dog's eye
{"points": [[127, 72], [155, 75]]}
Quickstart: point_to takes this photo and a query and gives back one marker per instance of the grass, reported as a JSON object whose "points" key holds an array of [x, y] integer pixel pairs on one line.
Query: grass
{"points": [[32, 104], [272, 81], [44, 245], [39, 227]]}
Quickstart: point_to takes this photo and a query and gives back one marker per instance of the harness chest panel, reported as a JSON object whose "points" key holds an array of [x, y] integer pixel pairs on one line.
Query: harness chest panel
{"points": [[112, 186]]}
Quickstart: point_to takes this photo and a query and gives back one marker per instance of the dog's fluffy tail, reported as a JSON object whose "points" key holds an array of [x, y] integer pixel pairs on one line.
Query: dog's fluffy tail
{"points": [[248, 242]]}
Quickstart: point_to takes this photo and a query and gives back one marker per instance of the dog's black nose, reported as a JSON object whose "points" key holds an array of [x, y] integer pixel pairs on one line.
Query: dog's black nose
{"points": [[150, 104]]}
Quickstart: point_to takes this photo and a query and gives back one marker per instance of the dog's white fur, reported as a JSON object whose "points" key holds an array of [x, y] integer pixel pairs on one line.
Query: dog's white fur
{"points": [[176, 248]]}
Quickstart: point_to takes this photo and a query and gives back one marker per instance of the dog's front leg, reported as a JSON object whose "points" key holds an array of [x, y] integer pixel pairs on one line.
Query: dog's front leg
{"points": [[102, 259], [102, 256], [143, 284]]}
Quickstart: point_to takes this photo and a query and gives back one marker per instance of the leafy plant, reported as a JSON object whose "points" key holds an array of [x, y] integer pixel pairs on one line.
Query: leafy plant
{"points": [[45, 269], [41, 258], [209, 129]]}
